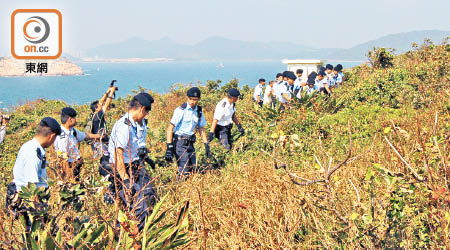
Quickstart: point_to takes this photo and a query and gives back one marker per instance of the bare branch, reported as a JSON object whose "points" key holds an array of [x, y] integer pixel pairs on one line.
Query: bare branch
{"points": [[356, 191], [292, 176], [348, 155], [416, 176]]}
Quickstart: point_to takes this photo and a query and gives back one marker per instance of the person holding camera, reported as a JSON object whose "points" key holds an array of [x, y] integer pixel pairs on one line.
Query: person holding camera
{"points": [[97, 122], [4, 120]]}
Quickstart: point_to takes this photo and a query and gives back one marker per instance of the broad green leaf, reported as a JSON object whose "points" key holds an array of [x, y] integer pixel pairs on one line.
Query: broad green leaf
{"points": [[94, 235]]}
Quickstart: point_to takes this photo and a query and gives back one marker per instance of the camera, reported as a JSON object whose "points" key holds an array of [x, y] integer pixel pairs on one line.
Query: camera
{"points": [[112, 84]]}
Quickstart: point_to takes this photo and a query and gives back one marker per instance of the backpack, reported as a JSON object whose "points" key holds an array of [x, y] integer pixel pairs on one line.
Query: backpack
{"points": [[89, 124]]}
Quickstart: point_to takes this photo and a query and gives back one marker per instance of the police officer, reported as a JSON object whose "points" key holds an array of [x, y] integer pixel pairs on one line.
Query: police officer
{"points": [[339, 68], [129, 179], [285, 89], [181, 133], [298, 84], [277, 84], [258, 94], [66, 143], [322, 82], [311, 83], [329, 71], [30, 165], [4, 120], [224, 116], [336, 80]]}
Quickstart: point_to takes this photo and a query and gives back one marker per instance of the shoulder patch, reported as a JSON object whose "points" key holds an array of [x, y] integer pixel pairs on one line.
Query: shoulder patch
{"points": [[199, 111], [127, 122], [39, 154], [224, 104], [183, 106]]}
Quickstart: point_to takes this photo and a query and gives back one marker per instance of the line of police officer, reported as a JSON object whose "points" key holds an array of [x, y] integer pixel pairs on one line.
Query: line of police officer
{"points": [[289, 85], [122, 163]]}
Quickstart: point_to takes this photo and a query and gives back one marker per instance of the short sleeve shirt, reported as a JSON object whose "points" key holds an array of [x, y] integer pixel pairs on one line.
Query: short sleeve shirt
{"points": [[68, 141], [2, 133], [267, 91], [258, 92], [283, 89], [186, 120], [224, 112], [30, 166], [128, 135]]}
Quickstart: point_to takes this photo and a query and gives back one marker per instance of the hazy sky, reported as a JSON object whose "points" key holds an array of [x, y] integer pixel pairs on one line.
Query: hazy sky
{"points": [[324, 23]]}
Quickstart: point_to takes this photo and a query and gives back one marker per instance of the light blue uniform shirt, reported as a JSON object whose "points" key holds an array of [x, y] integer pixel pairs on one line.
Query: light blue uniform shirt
{"points": [[67, 142], [298, 84], [320, 83], [28, 166], [128, 135], [336, 80], [258, 92], [309, 90], [2, 133], [276, 87], [283, 89], [186, 120]]}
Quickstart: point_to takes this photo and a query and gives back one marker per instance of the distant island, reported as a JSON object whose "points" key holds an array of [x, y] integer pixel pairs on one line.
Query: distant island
{"points": [[61, 67], [221, 49]]}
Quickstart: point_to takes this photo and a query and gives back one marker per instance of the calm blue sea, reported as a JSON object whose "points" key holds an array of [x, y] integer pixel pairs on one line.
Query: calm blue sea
{"points": [[157, 76]]}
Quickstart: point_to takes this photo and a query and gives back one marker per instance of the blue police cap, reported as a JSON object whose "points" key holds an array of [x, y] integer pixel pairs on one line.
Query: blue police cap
{"points": [[149, 97], [338, 67], [279, 74], [329, 66], [299, 71], [52, 124], [262, 80], [322, 73], [143, 99], [69, 111], [290, 75], [234, 92], [194, 92], [312, 78]]}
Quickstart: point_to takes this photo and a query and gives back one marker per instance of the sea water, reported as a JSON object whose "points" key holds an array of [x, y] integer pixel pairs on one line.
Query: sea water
{"points": [[156, 76]]}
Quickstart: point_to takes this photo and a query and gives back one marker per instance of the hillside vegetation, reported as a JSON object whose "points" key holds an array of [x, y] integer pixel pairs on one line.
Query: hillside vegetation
{"points": [[367, 168]]}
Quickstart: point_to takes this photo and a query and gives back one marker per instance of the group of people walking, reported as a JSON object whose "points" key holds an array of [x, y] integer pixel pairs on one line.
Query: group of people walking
{"points": [[288, 86], [122, 152]]}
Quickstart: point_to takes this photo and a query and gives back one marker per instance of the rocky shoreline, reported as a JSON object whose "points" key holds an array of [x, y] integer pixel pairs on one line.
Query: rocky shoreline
{"points": [[60, 67]]}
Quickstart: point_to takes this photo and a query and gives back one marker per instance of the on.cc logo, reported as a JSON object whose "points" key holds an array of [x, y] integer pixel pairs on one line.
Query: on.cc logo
{"points": [[36, 34]]}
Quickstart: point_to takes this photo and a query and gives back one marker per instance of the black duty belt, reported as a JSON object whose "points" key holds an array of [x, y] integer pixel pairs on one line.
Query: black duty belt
{"points": [[185, 137]]}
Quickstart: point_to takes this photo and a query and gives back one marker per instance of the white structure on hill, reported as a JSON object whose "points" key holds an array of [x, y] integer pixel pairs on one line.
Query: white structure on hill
{"points": [[308, 66]]}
